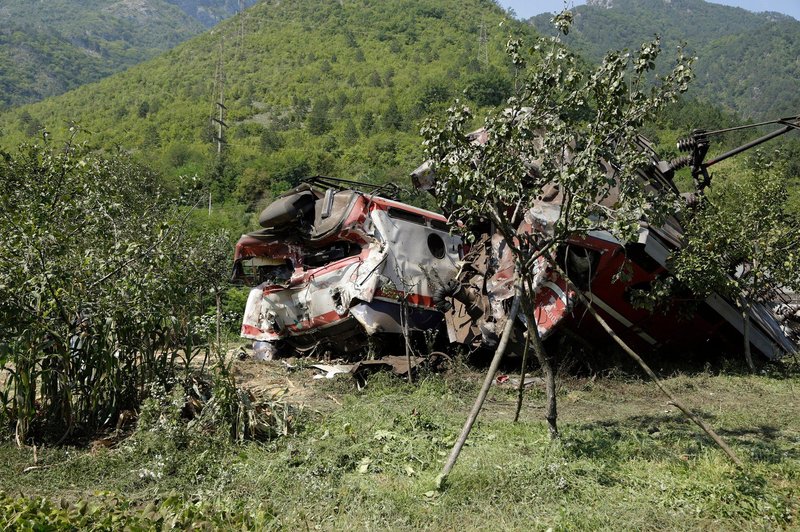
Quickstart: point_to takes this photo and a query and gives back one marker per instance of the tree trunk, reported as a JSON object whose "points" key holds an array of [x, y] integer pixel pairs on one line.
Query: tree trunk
{"points": [[551, 410], [406, 339], [521, 387]]}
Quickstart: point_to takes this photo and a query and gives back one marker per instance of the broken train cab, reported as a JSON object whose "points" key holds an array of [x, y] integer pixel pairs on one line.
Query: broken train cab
{"points": [[332, 266]]}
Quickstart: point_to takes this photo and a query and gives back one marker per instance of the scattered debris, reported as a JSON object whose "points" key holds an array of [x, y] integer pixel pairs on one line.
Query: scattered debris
{"points": [[513, 382], [329, 372], [396, 364]]}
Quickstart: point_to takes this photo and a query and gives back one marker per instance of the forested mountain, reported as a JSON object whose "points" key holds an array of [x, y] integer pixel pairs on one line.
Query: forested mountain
{"points": [[48, 47], [314, 86], [210, 12], [748, 62]]}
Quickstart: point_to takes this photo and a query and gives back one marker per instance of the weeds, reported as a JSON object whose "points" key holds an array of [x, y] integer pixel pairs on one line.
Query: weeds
{"points": [[625, 461]]}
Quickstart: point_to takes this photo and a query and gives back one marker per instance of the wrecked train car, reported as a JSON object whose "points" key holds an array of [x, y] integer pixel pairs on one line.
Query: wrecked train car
{"points": [[593, 264], [333, 266]]}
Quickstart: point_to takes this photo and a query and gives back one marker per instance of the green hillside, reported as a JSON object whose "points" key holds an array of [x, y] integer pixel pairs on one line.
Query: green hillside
{"points": [[747, 61], [49, 49], [314, 86]]}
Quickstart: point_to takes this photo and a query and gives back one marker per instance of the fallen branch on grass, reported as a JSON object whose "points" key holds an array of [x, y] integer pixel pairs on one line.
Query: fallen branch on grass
{"points": [[631, 353]]}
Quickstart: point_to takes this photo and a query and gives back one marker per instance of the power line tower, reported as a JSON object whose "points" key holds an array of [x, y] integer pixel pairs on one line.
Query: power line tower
{"points": [[241, 25], [483, 45], [219, 110]]}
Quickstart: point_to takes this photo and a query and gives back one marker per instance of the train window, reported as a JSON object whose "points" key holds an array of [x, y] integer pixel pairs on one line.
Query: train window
{"points": [[406, 215], [436, 245]]}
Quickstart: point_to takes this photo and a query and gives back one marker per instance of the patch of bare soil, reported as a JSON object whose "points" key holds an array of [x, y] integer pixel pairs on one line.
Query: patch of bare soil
{"points": [[288, 379]]}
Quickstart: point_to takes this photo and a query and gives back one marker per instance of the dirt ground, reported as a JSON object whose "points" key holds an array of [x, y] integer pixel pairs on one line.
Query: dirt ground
{"points": [[580, 400]]}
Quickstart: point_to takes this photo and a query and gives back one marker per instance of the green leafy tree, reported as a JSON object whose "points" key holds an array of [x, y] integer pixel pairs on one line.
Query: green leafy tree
{"points": [[432, 93], [367, 123], [318, 120], [350, 134], [541, 141], [392, 119], [743, 243], [490, 87]]}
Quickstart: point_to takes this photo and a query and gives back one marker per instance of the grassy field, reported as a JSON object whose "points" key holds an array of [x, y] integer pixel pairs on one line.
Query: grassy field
{"points": [[369, 459]]}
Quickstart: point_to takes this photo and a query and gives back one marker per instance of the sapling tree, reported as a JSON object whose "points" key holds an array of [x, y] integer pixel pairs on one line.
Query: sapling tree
{"points": [[553, 134]]}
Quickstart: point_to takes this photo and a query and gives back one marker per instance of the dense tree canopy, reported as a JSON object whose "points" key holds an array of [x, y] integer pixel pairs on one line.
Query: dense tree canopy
{"points": [[307, 75], [44, 52]]}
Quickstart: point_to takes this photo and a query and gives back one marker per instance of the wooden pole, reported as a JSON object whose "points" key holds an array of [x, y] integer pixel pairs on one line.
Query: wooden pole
{"points": [[745, 307], [521, 387], [406, 339], [631, 353], [487, 383]]}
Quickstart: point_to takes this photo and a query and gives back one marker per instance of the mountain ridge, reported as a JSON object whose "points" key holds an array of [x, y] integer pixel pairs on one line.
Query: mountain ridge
{"points": [[747, 62], [313, 87], [47, 49]]}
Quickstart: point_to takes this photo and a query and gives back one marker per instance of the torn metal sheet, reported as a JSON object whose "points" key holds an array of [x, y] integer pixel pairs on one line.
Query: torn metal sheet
{"points": [[396, 364], [511, 381], [329, 372]]}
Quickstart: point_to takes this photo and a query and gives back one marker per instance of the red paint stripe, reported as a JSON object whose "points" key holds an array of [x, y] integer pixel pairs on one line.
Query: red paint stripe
{"points": [[414, 299], [316, 321], [252, 331], [383, 204]]}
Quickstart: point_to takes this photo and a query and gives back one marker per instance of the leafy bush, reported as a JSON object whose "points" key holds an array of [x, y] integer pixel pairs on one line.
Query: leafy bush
{"points": [[113, 512], [99, 286], [489, 88]]}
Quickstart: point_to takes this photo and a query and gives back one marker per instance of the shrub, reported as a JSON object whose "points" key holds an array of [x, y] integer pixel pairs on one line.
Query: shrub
{"points": [[99, 287]]}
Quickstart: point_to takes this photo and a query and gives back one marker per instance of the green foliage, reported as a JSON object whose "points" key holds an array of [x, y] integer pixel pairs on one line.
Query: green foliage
{"points": [[477, 181], [489, 88], [113, 512], [44, 52], [101, 287], [277, 173], [746, 61], [325, 80], [318, 122], [742, 240]]}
